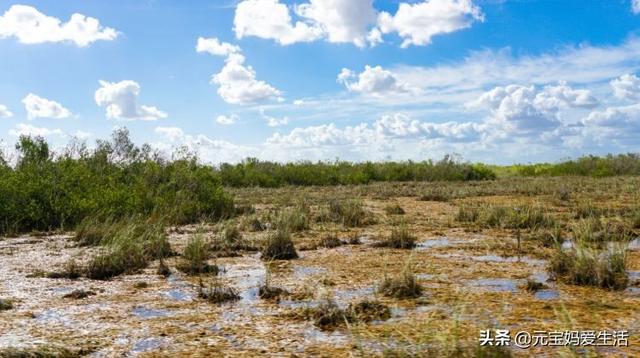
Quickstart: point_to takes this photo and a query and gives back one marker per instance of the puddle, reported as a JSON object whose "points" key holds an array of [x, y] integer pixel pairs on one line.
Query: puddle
{"points": [[496, 284], [144, 312], [495, 258], [547, 294], [147, 344], [301, 272], [298, 304], [441, 242], [634, 244], [179, 295], [425, 276], [53, 317]]}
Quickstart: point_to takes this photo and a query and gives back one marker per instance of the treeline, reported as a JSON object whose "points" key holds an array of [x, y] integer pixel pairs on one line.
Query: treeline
{"points": [[252, 172], [594, 166], [115, 180]]}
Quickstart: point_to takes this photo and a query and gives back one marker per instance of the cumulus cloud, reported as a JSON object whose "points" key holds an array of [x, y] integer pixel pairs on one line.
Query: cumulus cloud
{"points": [[618, 117], [215, 47], [522, 109], [209, 150], [21, 129], [5, 112], [374, 81], [401, 126], [121, 102], [30, 26], [352, 21], [273, 121], [626, 86], [342, 21], [417, 23], [237, 83], [38, 107], [269, 19], [226, 120]]}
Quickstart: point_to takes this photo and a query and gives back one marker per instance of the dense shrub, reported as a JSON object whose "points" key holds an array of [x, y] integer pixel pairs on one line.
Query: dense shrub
{"points": [[610, 165], [253, 172], [43, 191]]}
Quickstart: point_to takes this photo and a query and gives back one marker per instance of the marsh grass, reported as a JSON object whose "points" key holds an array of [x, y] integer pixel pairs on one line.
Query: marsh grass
{"points": [[292, 219], [597, 231], [71, 270], [194, 258], [129, 250], [217, 292], [589, 266], [403, 286], [549, 237], [279, 246], [349, 213], [400, 238], [229, 241], [496, 216]]}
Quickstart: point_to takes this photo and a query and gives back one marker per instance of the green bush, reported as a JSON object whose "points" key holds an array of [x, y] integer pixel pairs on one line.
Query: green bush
{"points": [[116, 180]]}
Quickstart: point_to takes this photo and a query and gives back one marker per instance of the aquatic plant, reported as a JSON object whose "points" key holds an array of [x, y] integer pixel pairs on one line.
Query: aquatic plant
{"points": [[400, 238], [194, 257], [403, 286], [216, 292]]}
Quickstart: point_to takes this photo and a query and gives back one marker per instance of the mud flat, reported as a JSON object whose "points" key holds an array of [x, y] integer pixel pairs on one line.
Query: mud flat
{"points": [[473, 277]]}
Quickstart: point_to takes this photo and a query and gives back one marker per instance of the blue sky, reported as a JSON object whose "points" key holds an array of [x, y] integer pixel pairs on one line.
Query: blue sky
{"points": [[494, 81]]}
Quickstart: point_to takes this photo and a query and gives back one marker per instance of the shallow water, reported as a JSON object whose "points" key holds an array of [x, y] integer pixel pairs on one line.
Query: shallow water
{"points": [[496, 284]]}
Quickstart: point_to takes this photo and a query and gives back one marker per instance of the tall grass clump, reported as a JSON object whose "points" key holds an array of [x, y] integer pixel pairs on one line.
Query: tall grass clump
{"points": [[292, 219], [496, 216], [229, 240], [217, 292], [400, 238], [279, 246], [601, 230], [194, 257], [588, 266], [129, 250], [349, 213], [403, 286]]}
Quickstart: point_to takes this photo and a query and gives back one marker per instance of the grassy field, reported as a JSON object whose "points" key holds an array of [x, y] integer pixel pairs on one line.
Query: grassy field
{"points": [[389, 269]]}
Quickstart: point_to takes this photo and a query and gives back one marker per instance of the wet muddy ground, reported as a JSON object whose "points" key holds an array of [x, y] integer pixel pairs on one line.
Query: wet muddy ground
{"points": [[473, 280]]}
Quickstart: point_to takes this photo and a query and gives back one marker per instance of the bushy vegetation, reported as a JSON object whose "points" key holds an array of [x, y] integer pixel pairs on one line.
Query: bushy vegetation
{"points": [[5, 304], [253, 172], [610, 165], [117, 179], [217, 293]]}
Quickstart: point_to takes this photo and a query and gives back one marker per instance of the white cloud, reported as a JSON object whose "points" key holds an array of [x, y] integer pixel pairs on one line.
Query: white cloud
{"points": [[226, 120], [29, 130], [342, 21], [299, 102], [635, 6], [5, 112], [626, 86], [401, 126], [30, 26], [214, 47], [352, 21], [374, 81], [418, 23], [121, 102], [269, 19], [209, 150], [238, 84], [527, 110], [38, 107], [619, 117], [273, 121]]}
